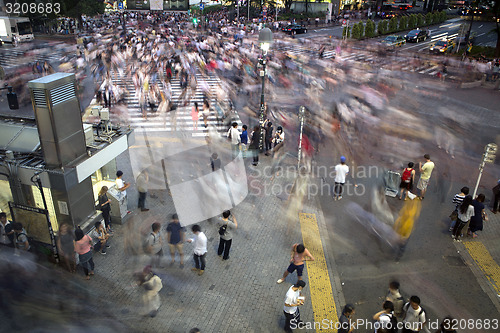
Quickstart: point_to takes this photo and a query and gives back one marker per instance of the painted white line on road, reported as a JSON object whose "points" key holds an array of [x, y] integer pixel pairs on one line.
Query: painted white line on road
{"points": [[484, 33], [429, 69], [480, 26]]}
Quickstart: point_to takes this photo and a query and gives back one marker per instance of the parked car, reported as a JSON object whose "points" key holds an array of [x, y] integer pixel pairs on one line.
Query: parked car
{"points": [[294, 29], [393, 41], [442, 46], [417, 35]]}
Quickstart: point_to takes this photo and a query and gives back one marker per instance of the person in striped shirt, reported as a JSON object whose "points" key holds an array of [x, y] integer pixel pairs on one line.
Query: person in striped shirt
{"points": [[457, 201]]}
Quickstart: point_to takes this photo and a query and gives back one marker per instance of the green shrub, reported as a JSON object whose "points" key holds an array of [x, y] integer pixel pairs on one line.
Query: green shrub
{"points": [[361, 29], [435, 17], [443, 16], [403, 23], [346, 32], [393, 25], [370, 29], [382, 27], [429, 18], [420, 20], [412, 21], [356, 33]]}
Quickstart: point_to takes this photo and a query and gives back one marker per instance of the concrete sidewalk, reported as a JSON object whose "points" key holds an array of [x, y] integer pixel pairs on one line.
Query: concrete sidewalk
{"points": [[239, 294]]}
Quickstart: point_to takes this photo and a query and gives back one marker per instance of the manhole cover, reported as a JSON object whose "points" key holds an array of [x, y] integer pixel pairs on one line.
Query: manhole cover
{"points": [[454, 261]]}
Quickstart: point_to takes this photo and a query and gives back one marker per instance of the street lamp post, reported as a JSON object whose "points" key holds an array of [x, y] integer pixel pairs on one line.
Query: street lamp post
{"points": [[488, 157], [302, 114], [265, 40]]}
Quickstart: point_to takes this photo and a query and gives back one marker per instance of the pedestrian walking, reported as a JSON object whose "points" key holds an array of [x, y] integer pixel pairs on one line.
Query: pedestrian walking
{"points": [[297, 257], [341, 172], [175, 239], [152, 285], [105, 207], [226, 224], [6, 232], [395, 297], [476, 221], [346, 323], [293, 300], [425, 176], [234, 136], [65, 238], [154, 244], [205, 112], [407, 179], [414, 318], [465, 212], [195, 114], [496, 198], [83, 247], [457, 201], [278, 140], [200, 249], [142, 182], [386, 321], [215, 162]]}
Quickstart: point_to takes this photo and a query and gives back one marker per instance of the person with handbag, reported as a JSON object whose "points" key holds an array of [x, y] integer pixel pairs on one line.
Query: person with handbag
{"points": [[226, 226], [457, 201], [407, 179], [465, 212], [104, 207], [83, 246]]}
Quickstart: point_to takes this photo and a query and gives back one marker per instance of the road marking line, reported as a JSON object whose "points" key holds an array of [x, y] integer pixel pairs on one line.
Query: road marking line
{"points": [[485, 261], [319, 280]]}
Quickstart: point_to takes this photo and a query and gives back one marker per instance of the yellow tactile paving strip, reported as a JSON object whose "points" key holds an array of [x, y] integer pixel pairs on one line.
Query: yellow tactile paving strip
{"points": [[485, 261], [317, 274]]}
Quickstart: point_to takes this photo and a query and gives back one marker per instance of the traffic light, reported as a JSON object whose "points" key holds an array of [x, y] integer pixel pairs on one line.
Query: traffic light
{"points": [[195, 21]]}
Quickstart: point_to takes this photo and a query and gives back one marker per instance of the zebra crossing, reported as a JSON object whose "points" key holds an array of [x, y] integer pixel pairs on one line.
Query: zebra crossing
{"points": [[297, 49], [13, 57], [401, 63], [179, 120]]}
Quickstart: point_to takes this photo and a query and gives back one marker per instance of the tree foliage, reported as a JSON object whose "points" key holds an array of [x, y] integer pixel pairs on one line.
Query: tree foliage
{"points": [[420, 20], [382, 27], [77, 8], [403, 23], [393, 25], [346, 32], [412, 21], [370, 29]]}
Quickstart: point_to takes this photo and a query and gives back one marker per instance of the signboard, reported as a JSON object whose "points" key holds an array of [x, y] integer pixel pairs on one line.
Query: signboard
{"points": [[120, 5], [202, 6], [156, 4], [344, 23]]}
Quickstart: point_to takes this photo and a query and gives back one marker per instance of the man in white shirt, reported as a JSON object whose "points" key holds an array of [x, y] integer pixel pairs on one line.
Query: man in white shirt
{"points": [[235, 136], [414, 318], [200, 249], [6, 232], [292, 303], [120, 184], [341, 171]]}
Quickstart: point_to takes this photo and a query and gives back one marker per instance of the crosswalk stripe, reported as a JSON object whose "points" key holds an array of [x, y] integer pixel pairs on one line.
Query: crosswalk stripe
{"points": [[157, 122]]}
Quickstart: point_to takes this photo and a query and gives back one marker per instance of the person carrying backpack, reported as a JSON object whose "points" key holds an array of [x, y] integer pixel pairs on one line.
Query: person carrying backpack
{"points": [[394, 296], [386, 320], [414, 318], [407, 179]]}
